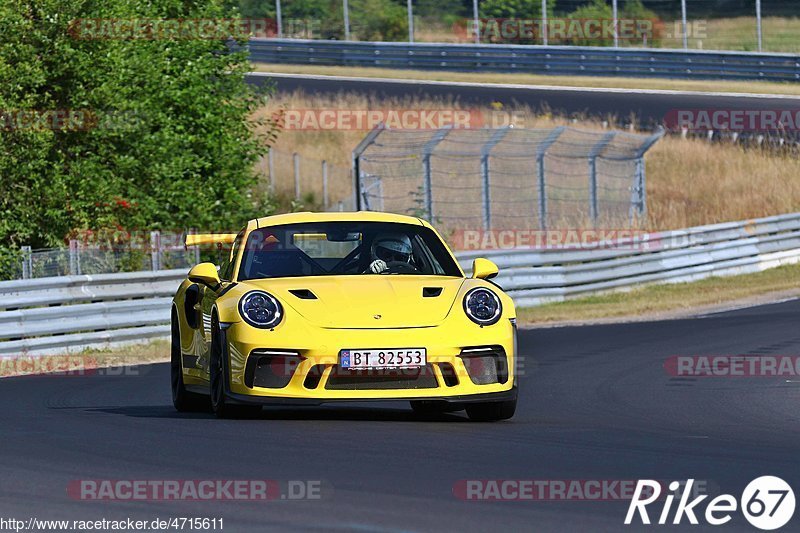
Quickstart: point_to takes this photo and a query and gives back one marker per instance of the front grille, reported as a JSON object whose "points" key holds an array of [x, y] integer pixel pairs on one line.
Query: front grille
{"points": [[382, 379]]}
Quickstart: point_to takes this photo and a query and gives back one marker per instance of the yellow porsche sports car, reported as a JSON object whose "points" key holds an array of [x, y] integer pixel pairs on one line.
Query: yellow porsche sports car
{"points": [[310, 308]]}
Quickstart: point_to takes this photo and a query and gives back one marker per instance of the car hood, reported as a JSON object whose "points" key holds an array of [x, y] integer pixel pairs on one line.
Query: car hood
{"points": [[366, 301]]}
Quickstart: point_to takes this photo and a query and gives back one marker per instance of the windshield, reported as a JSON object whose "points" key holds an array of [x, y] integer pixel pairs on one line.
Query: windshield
{"points": [[345, 248]]}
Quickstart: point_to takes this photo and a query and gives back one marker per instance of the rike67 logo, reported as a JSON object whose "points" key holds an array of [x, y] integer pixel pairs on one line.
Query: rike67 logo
{"points": [[767, 503]]}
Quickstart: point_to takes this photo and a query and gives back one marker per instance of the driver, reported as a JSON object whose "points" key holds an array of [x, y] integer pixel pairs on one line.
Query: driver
{"points": [[389, 248]]}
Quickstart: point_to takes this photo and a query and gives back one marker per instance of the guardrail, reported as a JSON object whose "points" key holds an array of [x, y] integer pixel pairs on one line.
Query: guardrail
{"points": [[536, 277], [563, 60], [73, 312]]}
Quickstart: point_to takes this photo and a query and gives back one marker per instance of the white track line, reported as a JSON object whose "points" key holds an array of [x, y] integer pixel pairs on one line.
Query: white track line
{"points": [[558, 88]]}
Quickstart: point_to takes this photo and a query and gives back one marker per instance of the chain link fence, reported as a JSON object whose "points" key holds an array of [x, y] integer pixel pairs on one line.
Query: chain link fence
{"points": [[323, 185], [734, 25], [507, 178], [163, 251]]}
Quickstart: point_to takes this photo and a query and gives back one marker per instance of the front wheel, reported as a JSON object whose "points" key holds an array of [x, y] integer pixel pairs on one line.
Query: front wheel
{"points": [[220, 405], [183, 400], [491, 411]]}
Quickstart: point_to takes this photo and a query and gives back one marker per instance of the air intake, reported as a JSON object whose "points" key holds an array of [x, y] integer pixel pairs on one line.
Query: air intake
{"points": [[303, 294], [431, 292]]}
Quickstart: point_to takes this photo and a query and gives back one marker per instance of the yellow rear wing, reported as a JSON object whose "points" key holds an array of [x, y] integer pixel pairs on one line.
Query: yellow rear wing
{"points": [[210, 238]]}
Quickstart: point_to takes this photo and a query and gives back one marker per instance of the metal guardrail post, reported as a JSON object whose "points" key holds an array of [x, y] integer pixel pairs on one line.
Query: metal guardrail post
{"points": [[486, 151], [597, 149], [356, 162], [427, 151], [27, 262], [541, 183], [74, 258], [155, 250]]}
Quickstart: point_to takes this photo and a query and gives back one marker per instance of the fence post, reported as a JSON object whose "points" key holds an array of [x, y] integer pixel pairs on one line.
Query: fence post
{"points": [[271, 167], [541, 182], [195, 249], [486, 151], [642, 207], [324, 184], [427, 150], [296, 158], [27, 262], [74, 258], [596, 150], [640, 201], [356, 162], [758, 23], [155, 250]]}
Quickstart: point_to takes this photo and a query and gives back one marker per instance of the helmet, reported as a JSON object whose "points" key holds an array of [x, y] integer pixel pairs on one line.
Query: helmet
{"points": [[392, 247]]}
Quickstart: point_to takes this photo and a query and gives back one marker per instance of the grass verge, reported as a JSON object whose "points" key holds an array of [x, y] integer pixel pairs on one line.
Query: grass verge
{"points": [[670, 300], [717, 86], [87, 362]]}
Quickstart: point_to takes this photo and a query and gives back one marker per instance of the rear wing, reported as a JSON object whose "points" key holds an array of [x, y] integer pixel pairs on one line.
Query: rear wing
{"points": [[210, 238]]}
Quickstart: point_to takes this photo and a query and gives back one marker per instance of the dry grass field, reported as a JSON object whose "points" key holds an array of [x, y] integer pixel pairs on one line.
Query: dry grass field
{"points": [[722, 86], [689, 181]]}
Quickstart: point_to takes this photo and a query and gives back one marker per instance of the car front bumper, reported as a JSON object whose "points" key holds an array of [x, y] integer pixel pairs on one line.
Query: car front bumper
{"points": [[312, 376]]}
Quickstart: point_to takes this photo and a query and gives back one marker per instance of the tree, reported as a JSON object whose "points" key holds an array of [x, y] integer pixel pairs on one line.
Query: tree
{"points": [[161, 138]]}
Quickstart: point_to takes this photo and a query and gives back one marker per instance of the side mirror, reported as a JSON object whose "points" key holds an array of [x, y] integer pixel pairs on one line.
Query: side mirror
{"points": [[484, 269], [206, 274]]}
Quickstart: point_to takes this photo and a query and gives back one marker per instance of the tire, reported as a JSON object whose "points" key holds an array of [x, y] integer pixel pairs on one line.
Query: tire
{"points": [[432, 408], [218, 374], [183, 400], [491, 411]]}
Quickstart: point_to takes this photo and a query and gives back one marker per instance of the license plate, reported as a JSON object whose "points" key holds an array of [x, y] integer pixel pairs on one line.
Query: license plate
{"points": [[383, 358]]}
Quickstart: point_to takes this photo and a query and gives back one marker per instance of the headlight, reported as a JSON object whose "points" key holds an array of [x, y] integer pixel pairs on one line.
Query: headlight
{"points": [[482, 306], [260, 309]]}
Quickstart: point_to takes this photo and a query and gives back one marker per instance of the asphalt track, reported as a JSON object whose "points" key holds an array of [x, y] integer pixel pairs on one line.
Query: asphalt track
{"points": [[595, 403], [620, 105]]}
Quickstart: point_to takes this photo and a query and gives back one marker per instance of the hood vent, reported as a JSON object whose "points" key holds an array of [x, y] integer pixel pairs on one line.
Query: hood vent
{"points": [[431, 292], [303, 294]]}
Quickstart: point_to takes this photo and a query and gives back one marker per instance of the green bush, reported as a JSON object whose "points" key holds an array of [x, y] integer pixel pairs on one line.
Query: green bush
{"points": [[170, 144], [632, 10], [379, 20], [524, 11]]}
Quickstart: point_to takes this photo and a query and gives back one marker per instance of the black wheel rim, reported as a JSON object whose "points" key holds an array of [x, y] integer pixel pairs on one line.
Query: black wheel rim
{"points": [[216, 372], [175, 366]]}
